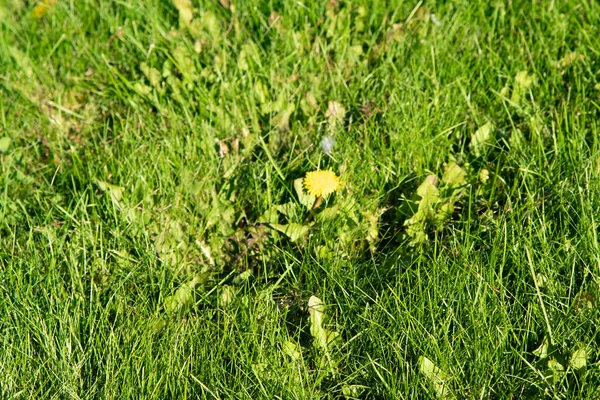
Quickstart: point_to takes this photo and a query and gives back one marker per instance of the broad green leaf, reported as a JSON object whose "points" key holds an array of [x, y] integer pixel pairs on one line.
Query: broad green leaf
{"points": [[373, 229], [292, 350], [22, 60], [306, 199], [186, 11], [353, 391], [324, 252], [438, 378], [221, 215], [115, 192], [569, 59], [481, 138], [249, 52], [542, 350], [328, 214], [484, 175], [243, 277], [523, 82], [226, 295], [281, 121], [443, 214], [211, 24], [429, 194], [293, 231], [185, 64], [324, 338], [141, 89], [557, 370], [288, 209], [578, 361], [4, 144], [428, 191], [183, 298], [269, 216], [152, 74], [261, 92], [335, 111], [454, 177]]}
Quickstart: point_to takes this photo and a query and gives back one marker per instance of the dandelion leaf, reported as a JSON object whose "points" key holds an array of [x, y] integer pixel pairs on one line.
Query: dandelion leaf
{"points": [[185, 64], [481, 138], [556, 370], [183, 297], [186, 11], [454, 179], [372, 235], [324, 338], [4, 144], [429, 196], [523, 82], [269, 216], [292, 350], [293, 231], [221, 214], [115, 192], [152, 74], [226, 296], [306, 199], [288, 209], [328, 213], [578, 361], [281, 121], [438, 378]]}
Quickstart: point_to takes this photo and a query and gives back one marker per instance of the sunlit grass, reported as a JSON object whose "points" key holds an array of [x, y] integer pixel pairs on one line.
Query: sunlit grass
{"points": [[159, 239]]}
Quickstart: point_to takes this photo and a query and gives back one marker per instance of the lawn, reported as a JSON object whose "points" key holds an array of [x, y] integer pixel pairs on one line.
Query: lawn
{"points": [[164, 234]]}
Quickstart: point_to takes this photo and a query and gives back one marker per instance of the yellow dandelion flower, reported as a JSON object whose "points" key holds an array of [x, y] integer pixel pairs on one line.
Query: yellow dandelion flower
{"points": [[39, 11], [321, 183]]}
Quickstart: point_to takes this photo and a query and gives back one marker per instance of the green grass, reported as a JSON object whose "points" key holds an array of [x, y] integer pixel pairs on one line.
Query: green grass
{"points": [[172, 283]]}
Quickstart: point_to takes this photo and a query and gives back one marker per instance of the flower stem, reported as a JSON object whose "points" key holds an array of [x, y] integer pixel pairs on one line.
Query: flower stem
{"points": [[312, 211]]}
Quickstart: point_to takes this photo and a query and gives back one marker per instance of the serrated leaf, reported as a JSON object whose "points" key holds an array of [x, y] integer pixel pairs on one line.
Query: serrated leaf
{"points": [[481, 138], [141, 89], [293, 231], [185, 64], [221, 214], [269, 216], [430, 195], [443, 214], [373, 229], [428, 191], [211, 24], [438, 378], [152, 74], [288, 209], [183, 298], [306, 199]]}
